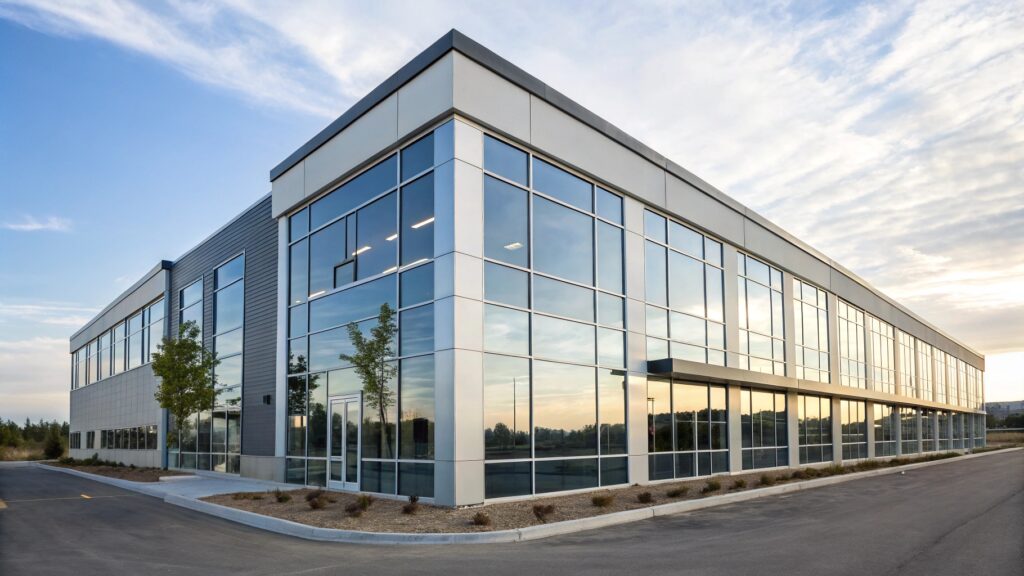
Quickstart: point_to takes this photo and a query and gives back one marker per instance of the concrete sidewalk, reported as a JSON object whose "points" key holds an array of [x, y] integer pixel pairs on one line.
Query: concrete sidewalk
{"points": [[201, 485]]}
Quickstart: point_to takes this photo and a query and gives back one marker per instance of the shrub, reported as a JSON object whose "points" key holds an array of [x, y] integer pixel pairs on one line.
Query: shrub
{"points": [[602, 500], [782, 478], [481, 519], [644, 498], [678, 492], [317, 503], [812, 473], [53, 447], [542, 511], [354, 510], [833, 470], [798, 475], [315, 494], [282, 497], [767, 480], [711, 486], [256, 496], [364, 501], [412, 506], [739, 484]]}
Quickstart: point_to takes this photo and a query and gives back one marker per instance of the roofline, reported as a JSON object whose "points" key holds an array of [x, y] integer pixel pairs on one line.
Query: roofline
{"points": [[455, 40], [161, 266]]}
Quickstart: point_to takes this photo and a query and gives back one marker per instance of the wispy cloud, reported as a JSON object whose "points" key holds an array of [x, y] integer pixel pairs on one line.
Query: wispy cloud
{"points": [[49, 313], [890, 135], [32, 224]]}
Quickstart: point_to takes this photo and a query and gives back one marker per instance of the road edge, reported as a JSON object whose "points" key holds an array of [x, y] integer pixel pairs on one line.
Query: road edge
{"points": [[307, 532]]}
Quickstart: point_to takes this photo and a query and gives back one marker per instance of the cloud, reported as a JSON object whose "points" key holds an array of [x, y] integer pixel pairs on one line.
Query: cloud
{"points": [[31, 224], [889, 135], [49, 313]]}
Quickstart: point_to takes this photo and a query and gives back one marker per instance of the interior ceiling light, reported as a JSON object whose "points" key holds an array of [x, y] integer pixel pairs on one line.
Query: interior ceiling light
{"points": [[361, 250], [392, 237], [423, 223], [514, 246]]}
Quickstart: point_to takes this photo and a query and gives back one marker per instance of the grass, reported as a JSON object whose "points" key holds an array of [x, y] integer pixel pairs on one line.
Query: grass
{"points": [[1004, 439]]}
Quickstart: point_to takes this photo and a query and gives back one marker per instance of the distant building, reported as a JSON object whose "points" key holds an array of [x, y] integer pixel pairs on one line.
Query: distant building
{"points": [[1003, 409], [576, 311]]}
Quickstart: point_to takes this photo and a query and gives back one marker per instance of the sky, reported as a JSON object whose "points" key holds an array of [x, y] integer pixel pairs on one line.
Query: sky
{"points": [[888, 135]]}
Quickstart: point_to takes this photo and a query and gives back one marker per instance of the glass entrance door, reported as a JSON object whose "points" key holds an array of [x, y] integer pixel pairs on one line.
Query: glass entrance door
{"points": [[344, 443]]}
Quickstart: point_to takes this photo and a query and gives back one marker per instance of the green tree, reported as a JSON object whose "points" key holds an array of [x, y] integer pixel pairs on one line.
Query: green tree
{"points": [[373, 363], [53, 447], [185, 368]]}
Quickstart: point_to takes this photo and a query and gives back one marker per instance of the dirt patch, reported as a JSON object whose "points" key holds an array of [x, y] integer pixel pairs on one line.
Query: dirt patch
{"points": [[386, 515], [1004, 439], [125, 472]]}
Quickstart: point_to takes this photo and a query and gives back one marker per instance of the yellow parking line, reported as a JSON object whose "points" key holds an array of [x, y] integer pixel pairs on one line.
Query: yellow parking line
{"points": [[2, 504]]}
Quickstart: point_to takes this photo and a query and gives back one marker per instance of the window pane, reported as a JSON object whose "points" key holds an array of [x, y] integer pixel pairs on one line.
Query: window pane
{"points": [[376, 250], [559, 475], [609, 254], [562, 185], [562, 340], [506, 407], [609, 310], [417, 284], [417, 235], [417, 330], [229, 307], [564, 242], [507, 479], [380, 411], [506, 285], [610, 348], [759, 308], [229, 371], [228, 344], [686, 284], [654, 226], [358, 191], [657, 322], [298, 224], [609, 206], [416, 440], [715, 296], [564, 410], [298, 320], [327, 250], [299, 278], [611, 389], [230, 272], [506, 330], [355, 303], [416, 479], [685, 240], [563, 299], [418, 156], [325, 348], [505, 160], [688, 329], [190, 295], [506, 236]]}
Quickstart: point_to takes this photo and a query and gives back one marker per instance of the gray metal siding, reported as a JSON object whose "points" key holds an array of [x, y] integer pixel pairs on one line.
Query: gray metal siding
{"points": [[254, 232]]}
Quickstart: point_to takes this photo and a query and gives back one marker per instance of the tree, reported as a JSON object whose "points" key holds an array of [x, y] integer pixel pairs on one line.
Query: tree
{"points": [[374, 365], [185, 368], [53, 447]]}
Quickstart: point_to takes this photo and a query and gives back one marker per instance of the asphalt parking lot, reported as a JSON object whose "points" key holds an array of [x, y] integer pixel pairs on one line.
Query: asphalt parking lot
{"points": [[955, 518]]}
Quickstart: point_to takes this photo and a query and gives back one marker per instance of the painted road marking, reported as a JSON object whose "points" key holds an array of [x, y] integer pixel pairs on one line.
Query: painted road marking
{"points": [[86, 496], [79, 497], [2, 505]]}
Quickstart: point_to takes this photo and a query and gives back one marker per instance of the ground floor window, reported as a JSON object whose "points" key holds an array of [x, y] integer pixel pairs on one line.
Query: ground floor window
{"points": [[886, 426], [687, 429], [908, 430], [928, 430], [855, 429], [763, 420], [815, 424], [137, 438], [945, 423]]}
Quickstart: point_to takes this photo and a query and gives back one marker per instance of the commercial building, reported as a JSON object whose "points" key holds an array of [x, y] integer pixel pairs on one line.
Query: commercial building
{"points": [[575, 311]]}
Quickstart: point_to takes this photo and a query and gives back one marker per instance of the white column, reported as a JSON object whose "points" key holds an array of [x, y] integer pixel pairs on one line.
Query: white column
{"points": [[636, 342]]}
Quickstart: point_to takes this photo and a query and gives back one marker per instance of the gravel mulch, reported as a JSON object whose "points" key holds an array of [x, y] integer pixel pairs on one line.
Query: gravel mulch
{"points": [[124, 472]]}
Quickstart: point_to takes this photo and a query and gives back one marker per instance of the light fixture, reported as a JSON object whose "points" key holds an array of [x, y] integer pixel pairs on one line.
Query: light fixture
{"points": [[423, 223], [361, 250], [317, 293], [514, 246], [392, 237]]}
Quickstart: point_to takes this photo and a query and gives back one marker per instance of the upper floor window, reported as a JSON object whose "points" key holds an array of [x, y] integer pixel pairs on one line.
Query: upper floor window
{"points": [[852, 362], [908, 366], [761, 324], [810, 312], [883, 362]]}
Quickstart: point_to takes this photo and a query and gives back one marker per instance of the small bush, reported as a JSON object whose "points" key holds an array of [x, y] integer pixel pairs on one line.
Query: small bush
{"points": [[364, 501], [315, 494], [542, 511], [354, 510], [644, 498], [256, 496], [812, 473], [317, 503], [412, 506], [53, 446], [711, 486], [282, 497], [678, 492], [767, 480], [782, 478], [602, 500], [833, 470], [739, 484], [481, 519], [798, 475]]}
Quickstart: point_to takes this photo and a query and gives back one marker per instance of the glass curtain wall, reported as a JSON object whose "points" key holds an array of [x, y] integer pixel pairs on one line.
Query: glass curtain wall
{"points": [[909, 430], [685, 293], [940, 375], [855, 429], [815, 422], [763, 421], [114, 351], [761, 324], [687, 429], [852, 356], [908, 366], [554, 367], [883, 362], [924, 371], [810, 311], [928, 430], [226, 420], [367, 243]]}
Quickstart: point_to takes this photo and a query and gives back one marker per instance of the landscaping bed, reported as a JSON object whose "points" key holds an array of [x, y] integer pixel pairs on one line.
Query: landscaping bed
{"points": [[116, 470], [347, 511]]}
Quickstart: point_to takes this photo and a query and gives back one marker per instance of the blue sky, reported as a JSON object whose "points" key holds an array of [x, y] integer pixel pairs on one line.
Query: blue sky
{"points": [[889, 135]]}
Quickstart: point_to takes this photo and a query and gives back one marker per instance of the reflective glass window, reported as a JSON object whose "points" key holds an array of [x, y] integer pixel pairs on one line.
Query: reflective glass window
{"points": [[417, 330], [376, 250], [609, 257], [506, 407], [563, 340], [506, 234], [560, 184], [417, 284], [357, 191], [418, 156], [506, 285], [609, 205], [506, 330], [564, 410], [563, 299], [505, 160], [563, 242], [416, 390], [417, 234]]}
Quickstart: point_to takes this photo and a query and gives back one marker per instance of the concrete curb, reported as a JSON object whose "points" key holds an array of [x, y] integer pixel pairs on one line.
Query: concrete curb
{"points": [[307, 532]]}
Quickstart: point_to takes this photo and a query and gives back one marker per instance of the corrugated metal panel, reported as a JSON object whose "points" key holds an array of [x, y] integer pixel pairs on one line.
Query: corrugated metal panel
{"points": [[254, 233]]}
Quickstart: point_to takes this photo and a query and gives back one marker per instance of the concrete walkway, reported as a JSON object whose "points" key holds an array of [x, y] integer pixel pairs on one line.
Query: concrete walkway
{"points": [[200, 485]]}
